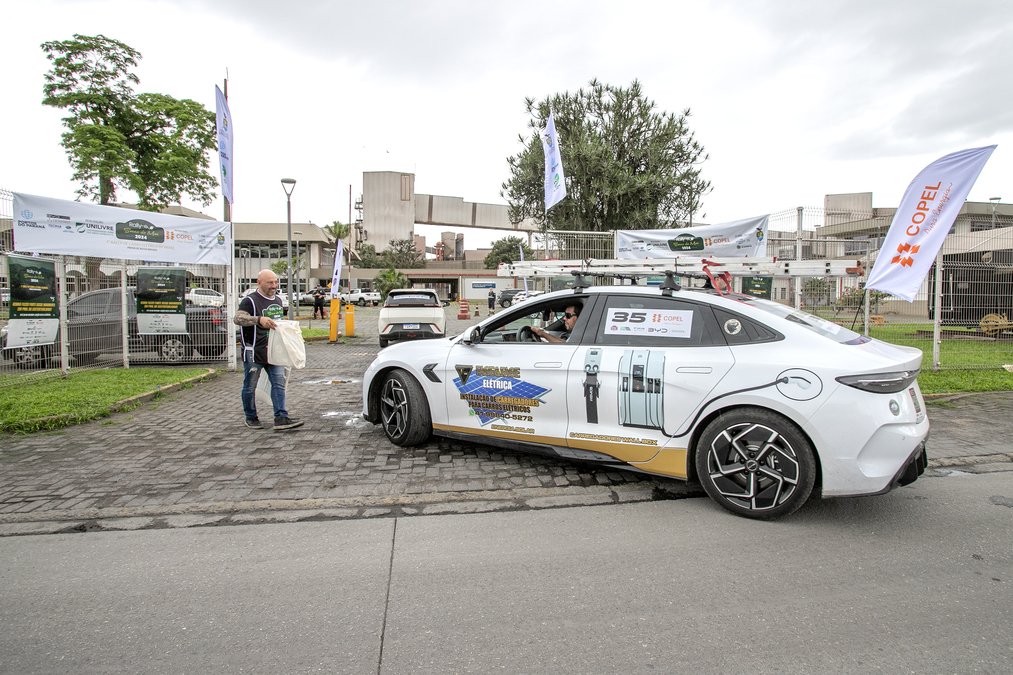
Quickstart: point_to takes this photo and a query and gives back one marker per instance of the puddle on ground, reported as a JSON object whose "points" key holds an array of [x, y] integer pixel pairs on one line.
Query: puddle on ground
{"points": [[354, 418], [331, 382]]}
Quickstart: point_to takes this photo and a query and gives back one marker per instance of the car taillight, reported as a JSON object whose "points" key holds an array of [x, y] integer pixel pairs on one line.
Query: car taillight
{"points": [[216, 316], [436, 328], [881, 383]]}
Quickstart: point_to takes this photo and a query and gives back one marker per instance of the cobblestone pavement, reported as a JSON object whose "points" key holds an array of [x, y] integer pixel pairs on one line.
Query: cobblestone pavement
{"points": [[187, 459]]}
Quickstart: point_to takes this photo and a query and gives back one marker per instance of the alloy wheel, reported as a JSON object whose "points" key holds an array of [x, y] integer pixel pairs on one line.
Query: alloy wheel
{"points": [[753, 466], [394, 408]]}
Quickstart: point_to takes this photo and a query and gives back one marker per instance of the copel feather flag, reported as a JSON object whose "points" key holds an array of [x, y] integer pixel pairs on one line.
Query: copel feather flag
{"points": [[555, 181], [923, 219]]}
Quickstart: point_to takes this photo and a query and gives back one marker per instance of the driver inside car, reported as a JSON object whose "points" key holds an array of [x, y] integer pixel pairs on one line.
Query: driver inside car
{"points": [[569, 320]]}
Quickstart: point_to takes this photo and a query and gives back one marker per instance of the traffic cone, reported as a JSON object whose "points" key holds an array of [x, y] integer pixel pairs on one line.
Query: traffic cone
{"points": [[462, 312]]}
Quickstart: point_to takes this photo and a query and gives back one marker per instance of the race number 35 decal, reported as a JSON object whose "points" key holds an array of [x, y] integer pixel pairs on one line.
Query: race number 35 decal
{"points": [[655, 322]]}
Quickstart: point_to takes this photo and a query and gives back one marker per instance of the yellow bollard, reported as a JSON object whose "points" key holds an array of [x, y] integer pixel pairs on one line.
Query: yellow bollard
{"points": [[350, 320], [335, 310]]}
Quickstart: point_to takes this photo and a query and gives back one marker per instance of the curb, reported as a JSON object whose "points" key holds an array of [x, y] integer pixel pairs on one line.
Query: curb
{"points": [[297, 510], [952, 396], [135, 400]]}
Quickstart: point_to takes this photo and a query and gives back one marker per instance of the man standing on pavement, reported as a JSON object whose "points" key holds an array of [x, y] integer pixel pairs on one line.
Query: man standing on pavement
{"points": [[257, 314], [492, 300], [318, 301]]}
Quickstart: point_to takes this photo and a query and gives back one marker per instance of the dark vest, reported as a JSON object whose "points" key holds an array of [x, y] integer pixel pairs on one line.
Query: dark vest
{"points": [[255, 337]]}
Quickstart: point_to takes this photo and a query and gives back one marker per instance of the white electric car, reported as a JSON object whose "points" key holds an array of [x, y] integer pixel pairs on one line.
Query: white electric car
{"points": [[763, 404], [411, 314]]}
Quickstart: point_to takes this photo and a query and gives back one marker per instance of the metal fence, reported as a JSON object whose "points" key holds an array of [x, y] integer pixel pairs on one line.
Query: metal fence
{"points": [[98, 325], [974, 289]]}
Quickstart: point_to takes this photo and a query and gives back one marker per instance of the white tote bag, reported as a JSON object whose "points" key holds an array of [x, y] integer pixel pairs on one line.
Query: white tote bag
{"points": [[285, 346]]}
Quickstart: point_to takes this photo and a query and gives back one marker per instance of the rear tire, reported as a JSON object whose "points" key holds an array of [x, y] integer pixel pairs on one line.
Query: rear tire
{"points": [[383, 343], [362, 302], [404, 410], [505, 303], [755, 463], [28, 358]]}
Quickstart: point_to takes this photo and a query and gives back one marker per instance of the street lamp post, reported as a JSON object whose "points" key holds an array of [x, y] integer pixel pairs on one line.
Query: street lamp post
{"points": [[994, 200], [288, 185], [298, 269]]}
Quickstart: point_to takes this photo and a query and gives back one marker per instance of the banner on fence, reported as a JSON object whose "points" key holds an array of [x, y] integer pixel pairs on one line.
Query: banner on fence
{"points": [[926, 212], [759, 287], [741, 238], [34, 313], [45, 225], [161, 300]]}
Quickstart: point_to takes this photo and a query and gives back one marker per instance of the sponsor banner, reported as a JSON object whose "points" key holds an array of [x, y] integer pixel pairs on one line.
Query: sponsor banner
{"points": [[44, 225], [161, 300], [34, 313], [922, 221], [555, 180], [741, 238], [655, 323], [223, 118], [759, 287], [30, 332], [336, 275]]}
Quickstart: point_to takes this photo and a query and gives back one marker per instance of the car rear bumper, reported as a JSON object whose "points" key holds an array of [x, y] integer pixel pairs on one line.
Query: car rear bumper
{"points": [[423, 332]]}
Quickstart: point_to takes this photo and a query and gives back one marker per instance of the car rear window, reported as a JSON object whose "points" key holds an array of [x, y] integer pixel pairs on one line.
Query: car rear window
{"points": [[827, 329], [411, 300]]}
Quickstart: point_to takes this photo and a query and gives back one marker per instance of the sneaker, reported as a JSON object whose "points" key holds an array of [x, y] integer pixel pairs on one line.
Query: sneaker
{"points": [[282, 423], [254, 423]]}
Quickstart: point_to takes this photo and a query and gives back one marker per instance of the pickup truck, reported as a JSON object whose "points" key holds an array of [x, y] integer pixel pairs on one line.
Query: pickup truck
{"points": [[361, 297]]}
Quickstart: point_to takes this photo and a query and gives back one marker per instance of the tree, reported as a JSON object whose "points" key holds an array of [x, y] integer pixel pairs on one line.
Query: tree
{"points": [[368, 259], [388, 280], [280, 267], [403, 254], [627, 165], [506, 250], [153, 144]]}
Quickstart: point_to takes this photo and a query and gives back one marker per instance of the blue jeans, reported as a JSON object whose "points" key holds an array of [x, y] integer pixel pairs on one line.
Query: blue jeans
{"points": [[251, 374]]}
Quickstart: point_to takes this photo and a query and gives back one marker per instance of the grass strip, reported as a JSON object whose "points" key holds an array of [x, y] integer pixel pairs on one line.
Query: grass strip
{"points": [[82, 397]]}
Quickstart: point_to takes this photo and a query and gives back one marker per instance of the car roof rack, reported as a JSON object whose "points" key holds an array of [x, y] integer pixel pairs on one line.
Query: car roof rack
{"points": [[686, 266]]}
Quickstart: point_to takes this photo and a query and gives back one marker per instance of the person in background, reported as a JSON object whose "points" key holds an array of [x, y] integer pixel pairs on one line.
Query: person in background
{"points": [[257, 314], [319, 293], [492, 300]]}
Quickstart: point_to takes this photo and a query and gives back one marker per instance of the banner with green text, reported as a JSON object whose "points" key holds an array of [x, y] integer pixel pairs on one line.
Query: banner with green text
{"points": [[34, 313], [161, 300]]}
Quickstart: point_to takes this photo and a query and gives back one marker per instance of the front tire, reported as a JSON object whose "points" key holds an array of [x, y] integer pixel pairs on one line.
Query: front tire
{"points": [[755, 463], [175, 349], [404, 410]]}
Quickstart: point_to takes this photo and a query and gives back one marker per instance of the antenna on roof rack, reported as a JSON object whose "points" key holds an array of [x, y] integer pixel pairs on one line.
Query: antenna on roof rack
{"points": [[670, 284], [579, 282]]}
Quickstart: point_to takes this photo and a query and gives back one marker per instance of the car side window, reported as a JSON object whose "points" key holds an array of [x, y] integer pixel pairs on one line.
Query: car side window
{"points": [[739, 330], [89, 305], [656, 322]]}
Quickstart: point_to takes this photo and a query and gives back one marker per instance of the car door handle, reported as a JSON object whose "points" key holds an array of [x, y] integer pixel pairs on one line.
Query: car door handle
{"points": [[700, 370], [549, 364]]}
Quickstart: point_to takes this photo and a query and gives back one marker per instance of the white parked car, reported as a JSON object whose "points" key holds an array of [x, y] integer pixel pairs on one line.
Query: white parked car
{"points": [[205, 297], [764, 405], [526, 295], [411, 314]]}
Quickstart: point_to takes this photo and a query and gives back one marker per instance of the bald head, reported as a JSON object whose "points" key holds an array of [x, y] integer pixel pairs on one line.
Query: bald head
{"points": [[267, 283]]}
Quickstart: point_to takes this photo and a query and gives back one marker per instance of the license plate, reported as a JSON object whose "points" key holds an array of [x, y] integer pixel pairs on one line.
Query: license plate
{"points": [[410, 326]]}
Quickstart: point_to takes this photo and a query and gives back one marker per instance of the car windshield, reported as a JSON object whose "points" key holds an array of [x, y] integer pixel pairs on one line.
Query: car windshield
{"points": [[827, 329], [412, 300]]}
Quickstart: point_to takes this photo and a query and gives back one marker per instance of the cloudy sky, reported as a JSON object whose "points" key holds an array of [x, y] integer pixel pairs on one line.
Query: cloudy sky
{"points": [[792, 100]]}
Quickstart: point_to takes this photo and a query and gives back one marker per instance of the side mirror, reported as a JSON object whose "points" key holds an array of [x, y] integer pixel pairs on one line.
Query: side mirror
{"points": [[473, 336]]}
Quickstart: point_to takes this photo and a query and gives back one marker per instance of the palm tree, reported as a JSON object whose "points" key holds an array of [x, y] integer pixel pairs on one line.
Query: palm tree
{"points": [[388, 280]]}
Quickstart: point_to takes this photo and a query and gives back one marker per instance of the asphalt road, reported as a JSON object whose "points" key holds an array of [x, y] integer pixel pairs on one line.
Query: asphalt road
{"points": [[916, 581]]}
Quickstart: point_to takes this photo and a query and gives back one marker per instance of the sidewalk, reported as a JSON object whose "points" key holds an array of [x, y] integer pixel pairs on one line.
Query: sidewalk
{"points": [[188, 459]]}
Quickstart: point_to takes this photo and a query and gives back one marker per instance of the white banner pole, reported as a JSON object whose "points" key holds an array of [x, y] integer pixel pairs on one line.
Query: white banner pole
{"points": [[61, 280], [937, 319], [124, 314]]}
